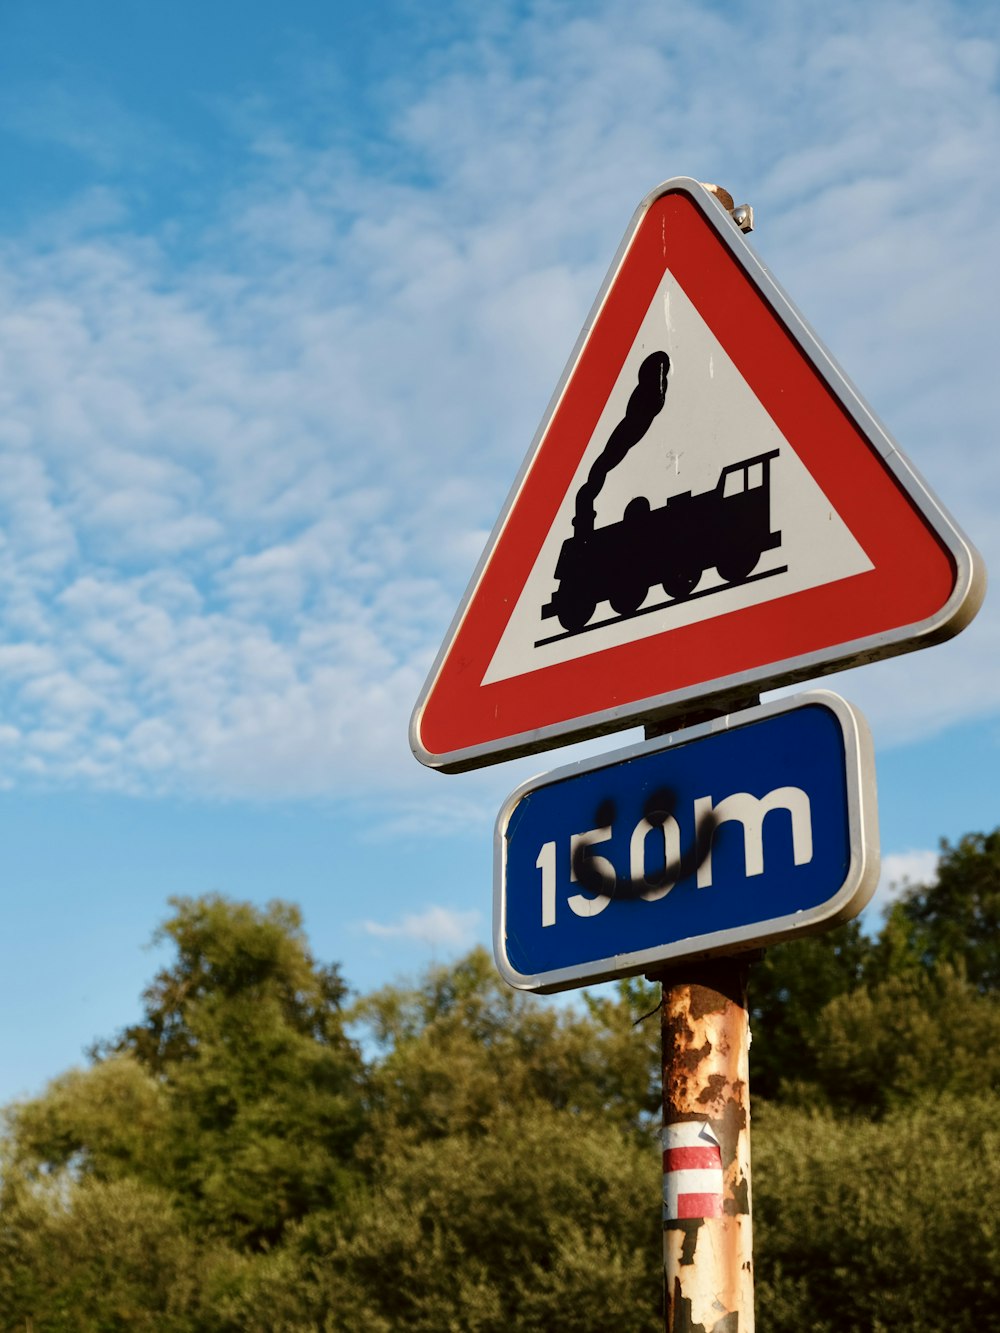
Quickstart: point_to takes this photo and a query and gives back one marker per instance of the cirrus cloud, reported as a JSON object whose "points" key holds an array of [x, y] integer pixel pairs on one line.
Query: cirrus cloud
{"points": [[241, 487]]}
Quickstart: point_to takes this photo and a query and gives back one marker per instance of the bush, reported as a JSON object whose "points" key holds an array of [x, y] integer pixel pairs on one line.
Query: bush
{"points": [[548, 1221], [864, 1227]]}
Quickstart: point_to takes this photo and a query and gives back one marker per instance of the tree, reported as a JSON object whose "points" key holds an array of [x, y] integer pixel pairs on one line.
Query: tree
{"points": [[109, 1122], [787, 991], [956, 919], [913, 1035], [232, 958], [462, 1045], [240, 1076], [865, 1226], [547, 1220], [867, 1022], [104, 1257], [229, 1162]]}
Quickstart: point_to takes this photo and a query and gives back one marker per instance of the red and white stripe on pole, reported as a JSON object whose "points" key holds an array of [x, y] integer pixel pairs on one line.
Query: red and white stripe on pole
{"points": [[692, 1171]]}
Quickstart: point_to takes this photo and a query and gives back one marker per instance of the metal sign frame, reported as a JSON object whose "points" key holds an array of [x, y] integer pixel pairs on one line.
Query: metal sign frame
{"points": [[723, 690], [859, 883]]}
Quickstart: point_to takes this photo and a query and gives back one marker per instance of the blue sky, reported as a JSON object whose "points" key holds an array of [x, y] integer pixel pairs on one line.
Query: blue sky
{"points": [[283, 297]]}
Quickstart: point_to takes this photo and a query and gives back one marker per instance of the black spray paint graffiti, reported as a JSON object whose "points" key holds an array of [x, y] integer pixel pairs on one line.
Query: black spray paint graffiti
{"points": [[658, 808], [727, 527]]}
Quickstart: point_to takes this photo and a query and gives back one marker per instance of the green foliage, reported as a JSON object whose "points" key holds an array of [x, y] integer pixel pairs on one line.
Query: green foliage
{"points": [[101, 1256], [546, 1221], [233, 958], [789, 987], [246, 1033], [239, 1092], [864, 1025], [108, 1122], [463, 1045], [867, 1227], [909, 1037], [230, 1163], [957, 919], [541, 1202]]}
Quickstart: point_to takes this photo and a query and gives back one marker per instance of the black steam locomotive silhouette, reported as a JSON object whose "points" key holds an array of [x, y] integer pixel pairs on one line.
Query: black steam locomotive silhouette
{"points": [[727, 527]]}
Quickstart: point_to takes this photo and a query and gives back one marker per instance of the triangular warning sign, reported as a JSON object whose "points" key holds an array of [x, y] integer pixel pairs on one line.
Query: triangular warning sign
{"points": [[708, 509]]}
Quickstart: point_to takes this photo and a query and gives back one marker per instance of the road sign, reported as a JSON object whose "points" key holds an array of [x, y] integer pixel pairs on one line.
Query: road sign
{"points": [[733, 834], [708, 509]]}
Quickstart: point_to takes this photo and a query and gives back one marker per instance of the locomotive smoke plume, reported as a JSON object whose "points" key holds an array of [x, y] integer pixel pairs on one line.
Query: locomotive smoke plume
{"points": [[645, 402]]}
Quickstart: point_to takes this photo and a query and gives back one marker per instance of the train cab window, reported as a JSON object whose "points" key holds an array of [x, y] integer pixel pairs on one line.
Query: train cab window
{"points": [[755, 476], [735, 483]]}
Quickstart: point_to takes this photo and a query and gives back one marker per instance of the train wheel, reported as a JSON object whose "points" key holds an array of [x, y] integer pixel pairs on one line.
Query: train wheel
{"points": [[629, 597], [574, 609], [735, 568], [681, 583]]}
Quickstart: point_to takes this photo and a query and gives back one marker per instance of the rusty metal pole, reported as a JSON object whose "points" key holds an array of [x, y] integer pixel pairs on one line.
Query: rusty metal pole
{"points": [[705, 1032], [707, 1242]]}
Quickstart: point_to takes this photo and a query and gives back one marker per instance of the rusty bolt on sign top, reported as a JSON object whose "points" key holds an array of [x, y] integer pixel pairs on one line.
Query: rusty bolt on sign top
{"points": [[707, 1243]]}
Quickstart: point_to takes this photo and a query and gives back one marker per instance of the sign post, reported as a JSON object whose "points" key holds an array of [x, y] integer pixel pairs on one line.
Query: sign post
{"points": [[708, 509], [707, 1235], [708, 1273], [680, 857]]}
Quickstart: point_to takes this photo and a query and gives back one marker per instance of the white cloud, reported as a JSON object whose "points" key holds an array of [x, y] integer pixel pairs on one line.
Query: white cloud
{"points": [[442, 810], [88, 122], [437, 926], [241, 492], [915, 867], [901, 870]]}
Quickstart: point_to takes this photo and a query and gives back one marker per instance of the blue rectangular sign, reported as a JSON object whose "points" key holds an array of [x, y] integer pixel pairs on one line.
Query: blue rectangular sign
{"points": [[746, 830]]}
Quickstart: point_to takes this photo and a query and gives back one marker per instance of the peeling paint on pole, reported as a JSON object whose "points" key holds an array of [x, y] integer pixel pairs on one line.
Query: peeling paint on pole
{"points": [[707, 1243]]}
